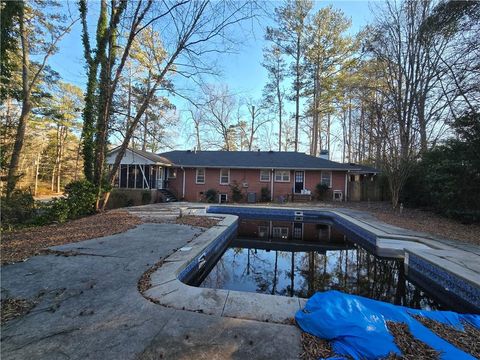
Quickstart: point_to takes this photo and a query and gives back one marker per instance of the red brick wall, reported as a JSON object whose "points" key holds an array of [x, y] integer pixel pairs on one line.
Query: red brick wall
{"points": [[249, 176]]}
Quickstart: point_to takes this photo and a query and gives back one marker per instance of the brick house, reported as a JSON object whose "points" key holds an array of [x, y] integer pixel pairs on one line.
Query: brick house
{"points": [[286, 175], [187, 174]]}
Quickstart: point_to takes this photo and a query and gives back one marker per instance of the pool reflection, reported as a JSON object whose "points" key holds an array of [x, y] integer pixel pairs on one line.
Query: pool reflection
{"points": [[298, 259]]}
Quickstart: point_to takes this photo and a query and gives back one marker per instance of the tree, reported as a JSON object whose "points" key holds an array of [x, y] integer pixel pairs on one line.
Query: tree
{"points": [[273, 92], [63, 112], [194, 28], [39, 31], [329, 53], [398, 48], [219, 112], [289, 37]]}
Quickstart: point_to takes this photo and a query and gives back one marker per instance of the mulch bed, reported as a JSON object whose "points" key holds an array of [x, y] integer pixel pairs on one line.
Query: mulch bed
{"points": [[410, 347], [468, 340], [22, 244], [12, 308]]}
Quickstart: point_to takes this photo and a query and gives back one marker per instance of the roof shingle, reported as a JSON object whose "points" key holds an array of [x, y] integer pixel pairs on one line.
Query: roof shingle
{"points": [[253, 159]]}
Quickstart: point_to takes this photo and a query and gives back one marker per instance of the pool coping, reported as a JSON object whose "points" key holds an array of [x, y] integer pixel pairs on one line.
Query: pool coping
{"points": [[168, 289]]}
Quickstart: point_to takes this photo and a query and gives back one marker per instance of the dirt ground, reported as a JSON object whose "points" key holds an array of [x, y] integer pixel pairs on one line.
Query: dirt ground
{"points": [[419, 220], [22, 244]]}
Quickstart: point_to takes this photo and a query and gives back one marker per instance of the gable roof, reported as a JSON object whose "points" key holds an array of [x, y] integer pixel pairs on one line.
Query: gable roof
{"points": [[253, 160], [145, 154]]}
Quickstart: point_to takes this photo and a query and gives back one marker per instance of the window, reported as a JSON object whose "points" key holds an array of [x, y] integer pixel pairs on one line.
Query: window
{"points": [[200, 176], [224, 176], [264, 175], [172, 173], [222, 198], [280, 232], [282, 175], [326, 178]]}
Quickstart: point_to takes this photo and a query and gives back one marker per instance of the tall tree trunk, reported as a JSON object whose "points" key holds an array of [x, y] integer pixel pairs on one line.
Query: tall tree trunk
{"points": [[328, 134], [145, 121], [350, 130], [197, 135], [89, 110], [297, 91], [280, 105], [12, 176], [314, 139]]}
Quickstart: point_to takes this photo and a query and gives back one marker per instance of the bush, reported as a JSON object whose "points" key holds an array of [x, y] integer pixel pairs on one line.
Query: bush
{"points": [[321, 190], [237, 195], [447, 179], [264, 194], [19, 209], [57, 210], [146, 197], [211, 195], [79, 200], [80, 196]]}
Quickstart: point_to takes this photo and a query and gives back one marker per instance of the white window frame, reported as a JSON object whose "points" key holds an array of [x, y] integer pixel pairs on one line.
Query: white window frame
{"points": [[280, 230], [196, 176], [172, 171], [268, 173], [321, 178], [282, 177], [228, 175]]}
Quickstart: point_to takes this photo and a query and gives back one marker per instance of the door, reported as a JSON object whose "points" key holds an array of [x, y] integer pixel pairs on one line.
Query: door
{"points": [[299, 181]]}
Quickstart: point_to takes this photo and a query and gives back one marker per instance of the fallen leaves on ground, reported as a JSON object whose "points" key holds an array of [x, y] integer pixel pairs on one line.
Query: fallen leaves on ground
{"points": [[14, 307], [411, 348], [200, 221], [467, 340], [192, 220], [144, 283], [22, 244], [315, 348], [415, 219]]}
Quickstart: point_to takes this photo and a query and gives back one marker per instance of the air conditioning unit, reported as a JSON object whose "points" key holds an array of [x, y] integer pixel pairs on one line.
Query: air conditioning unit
{"points": [[245, 184], [337, 195]]}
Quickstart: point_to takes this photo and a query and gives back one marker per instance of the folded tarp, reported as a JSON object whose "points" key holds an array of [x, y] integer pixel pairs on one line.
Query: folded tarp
{"points": [[357, 326]]}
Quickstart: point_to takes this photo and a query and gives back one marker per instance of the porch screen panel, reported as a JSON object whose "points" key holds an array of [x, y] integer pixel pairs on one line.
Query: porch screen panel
{"points": [[153, 178], [131, 176], [147, 176], [123, 176], [139, 181]]}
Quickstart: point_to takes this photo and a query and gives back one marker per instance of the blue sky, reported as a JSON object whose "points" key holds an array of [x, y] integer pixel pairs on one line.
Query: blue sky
{"points": [[242, 72]]}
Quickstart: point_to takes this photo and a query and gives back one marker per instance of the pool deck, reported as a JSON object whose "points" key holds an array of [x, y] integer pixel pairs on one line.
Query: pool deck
{"points": [[88, 307], [452, 265]]}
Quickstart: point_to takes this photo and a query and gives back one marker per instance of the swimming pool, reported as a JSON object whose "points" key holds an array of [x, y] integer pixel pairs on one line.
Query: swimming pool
{"points": [[297, 258]]}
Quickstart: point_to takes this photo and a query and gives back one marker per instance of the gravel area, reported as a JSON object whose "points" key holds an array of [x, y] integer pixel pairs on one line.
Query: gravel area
{"points": [[20, 245]]}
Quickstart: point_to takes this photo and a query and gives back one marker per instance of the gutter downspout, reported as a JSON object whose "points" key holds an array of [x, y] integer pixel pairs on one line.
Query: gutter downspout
{"points": [[346, 186], [183, 185], [271, 185]]}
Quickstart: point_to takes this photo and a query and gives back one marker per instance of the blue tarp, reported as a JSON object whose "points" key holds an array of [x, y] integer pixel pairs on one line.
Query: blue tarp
{"points": [[357, 327]]}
